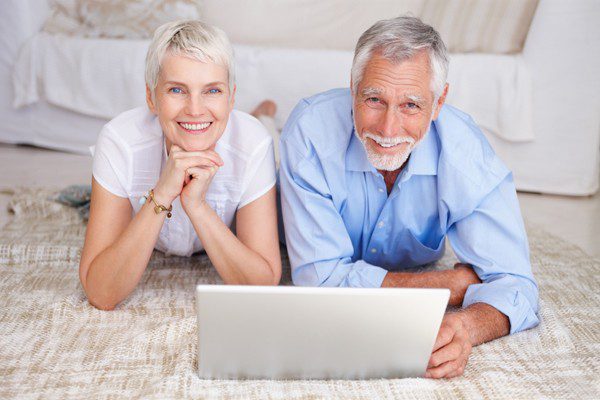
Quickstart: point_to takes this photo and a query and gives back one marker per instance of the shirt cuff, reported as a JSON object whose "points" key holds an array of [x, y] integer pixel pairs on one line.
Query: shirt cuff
{"points": [[508, 300], [365, 275]]}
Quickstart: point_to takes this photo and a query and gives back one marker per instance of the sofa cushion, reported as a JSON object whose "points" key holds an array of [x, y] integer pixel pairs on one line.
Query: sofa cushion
{"points": [[488, 26], [130, 19]]}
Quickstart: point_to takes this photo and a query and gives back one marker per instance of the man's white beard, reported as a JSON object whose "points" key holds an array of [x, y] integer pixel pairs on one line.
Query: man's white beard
{"points": [[387, 162]]}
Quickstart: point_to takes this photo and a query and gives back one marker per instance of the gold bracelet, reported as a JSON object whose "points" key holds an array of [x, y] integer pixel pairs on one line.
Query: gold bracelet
{"points": [[158, 208]]}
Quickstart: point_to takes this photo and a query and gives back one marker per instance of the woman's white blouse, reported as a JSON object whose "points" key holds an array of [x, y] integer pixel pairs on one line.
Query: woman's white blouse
{"points": [[130, 154]]}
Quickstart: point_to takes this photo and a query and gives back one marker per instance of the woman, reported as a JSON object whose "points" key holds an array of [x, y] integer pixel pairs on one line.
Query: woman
{"points": [[178, 174]]}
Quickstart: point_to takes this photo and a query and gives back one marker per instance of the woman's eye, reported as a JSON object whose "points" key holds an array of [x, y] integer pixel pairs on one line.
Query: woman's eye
{"points": [[176, 90]]}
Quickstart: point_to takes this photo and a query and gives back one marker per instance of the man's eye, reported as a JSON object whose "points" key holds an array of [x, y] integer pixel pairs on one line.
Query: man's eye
{"points": [[214, 91], [373, 100], [412, 105], [176, 90]]}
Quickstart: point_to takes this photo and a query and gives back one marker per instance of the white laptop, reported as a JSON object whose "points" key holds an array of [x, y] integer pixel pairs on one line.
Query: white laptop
{"points": [[284, 332]]}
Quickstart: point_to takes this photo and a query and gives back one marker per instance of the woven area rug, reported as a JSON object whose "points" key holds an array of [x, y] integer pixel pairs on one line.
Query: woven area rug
{"points": [[53, 344]]}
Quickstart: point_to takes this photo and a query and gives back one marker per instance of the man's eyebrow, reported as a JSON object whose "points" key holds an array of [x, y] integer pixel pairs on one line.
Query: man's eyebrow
{"points": [[369, 91], [414, 98]]}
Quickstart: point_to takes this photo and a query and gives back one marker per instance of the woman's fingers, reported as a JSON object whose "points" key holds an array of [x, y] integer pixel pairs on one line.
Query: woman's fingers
{"points": [[183, 164], [201, 172], [210, 154]]}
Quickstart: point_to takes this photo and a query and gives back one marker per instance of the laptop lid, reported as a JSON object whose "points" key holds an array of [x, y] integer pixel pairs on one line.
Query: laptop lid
{"points": [[285, 332]]}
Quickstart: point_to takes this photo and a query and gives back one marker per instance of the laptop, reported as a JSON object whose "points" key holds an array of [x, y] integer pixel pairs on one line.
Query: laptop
{"points": [[285, 332]]}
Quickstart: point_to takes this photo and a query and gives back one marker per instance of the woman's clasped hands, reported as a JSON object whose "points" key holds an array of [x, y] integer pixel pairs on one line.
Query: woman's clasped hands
{"points": [[187, 174]]}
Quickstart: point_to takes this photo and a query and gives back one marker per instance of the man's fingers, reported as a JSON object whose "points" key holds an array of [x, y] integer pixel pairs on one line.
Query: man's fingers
{"points": [[447, 353], [445, 336], [449, 369]]}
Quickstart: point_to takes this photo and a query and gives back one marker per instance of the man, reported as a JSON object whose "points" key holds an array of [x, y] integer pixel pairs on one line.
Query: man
{"points": [[374, 178]]}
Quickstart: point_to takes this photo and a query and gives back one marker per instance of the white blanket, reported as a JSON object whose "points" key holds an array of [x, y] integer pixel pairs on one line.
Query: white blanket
{"points": [[103, 77]]}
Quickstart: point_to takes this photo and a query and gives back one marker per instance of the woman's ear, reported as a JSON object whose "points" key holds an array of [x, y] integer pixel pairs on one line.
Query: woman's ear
{"points": [[150, 100], [232, 97]]}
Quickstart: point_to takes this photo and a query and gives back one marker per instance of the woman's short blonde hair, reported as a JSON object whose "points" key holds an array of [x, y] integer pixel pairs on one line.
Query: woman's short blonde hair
{"points": [[189, 38]]}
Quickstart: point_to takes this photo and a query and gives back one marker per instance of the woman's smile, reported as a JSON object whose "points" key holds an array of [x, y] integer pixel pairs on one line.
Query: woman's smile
{"points": [[195, 128]]}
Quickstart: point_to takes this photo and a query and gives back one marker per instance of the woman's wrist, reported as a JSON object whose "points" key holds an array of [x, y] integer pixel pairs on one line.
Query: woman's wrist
{"points": [[199, 211], [162, 198]]}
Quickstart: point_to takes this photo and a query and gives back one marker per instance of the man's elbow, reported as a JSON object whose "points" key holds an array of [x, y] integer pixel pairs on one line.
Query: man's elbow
{"points": [[306, 275], [102, 305]]}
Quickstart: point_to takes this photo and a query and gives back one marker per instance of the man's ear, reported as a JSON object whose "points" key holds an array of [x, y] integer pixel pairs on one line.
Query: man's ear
{"points": [[440, 102], [150, 101]]}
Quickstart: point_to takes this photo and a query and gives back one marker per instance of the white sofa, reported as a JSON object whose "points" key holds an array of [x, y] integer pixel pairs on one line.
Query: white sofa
{"points": [[539, 106]]}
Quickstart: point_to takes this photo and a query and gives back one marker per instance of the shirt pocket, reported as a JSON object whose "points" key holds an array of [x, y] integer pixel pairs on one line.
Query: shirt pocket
{"points": [[419, 253]]}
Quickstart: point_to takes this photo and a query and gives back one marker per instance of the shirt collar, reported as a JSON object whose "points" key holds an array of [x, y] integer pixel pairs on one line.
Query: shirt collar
{"points": [[356, 156], [423, 159]]}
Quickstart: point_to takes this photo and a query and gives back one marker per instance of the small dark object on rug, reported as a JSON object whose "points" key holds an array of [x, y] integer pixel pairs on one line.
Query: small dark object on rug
{"points": [[76, 196]]}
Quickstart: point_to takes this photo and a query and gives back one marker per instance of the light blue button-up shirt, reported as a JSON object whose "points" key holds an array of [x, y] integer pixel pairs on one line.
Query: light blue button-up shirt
{"points": [[343, 229]]}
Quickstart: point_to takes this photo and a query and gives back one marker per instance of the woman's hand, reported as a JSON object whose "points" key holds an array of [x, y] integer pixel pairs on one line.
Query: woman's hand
{"points": [[198, 180], [174, 176]]}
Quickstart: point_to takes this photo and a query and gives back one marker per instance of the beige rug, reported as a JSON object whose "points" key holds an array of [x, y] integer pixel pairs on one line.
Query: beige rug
{"points": [[53, 344]]}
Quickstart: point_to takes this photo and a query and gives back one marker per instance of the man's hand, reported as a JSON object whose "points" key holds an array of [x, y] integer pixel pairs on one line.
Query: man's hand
{"points": [[451, 350]]}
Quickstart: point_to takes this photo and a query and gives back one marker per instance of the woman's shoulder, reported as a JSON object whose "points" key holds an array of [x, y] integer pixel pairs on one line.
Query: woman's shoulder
{"points": [[244, 135], [134, 127]]}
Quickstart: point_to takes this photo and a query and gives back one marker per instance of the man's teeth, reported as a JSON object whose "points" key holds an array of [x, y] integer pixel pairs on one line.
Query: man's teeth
{"points": [[386, 144], [195, 127]]}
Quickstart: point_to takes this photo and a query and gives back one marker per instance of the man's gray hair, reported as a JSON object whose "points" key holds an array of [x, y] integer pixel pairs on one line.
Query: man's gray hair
{"points": [[192, 39], [399, 39]]}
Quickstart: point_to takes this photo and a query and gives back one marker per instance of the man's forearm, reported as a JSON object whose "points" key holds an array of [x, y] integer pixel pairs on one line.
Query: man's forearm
{"points": [[457, 280], [484, 323]]}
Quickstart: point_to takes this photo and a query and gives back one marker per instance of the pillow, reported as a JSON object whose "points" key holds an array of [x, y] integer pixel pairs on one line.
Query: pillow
{"points": [[130, 19]]}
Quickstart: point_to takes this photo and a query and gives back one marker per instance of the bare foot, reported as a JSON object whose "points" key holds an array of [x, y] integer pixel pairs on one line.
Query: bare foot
{"points": [[267, 108]]}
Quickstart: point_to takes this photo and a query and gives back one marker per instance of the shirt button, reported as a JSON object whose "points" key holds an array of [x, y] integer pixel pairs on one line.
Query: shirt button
{"points": [[373, 250], [381, 190], [381, 224]]}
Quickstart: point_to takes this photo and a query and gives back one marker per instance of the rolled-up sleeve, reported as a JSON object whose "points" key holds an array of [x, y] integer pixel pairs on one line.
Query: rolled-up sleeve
{"points": [[319, 246], [493, 240]]}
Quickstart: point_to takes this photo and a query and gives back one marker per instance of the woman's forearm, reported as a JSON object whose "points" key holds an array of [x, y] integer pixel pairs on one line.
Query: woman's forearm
{"points": [[114, 273], [235, 262]]}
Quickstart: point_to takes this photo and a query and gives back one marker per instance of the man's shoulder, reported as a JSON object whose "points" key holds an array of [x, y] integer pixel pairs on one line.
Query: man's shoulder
{"points": [[323, 121], [464, 147], [468, 167]]}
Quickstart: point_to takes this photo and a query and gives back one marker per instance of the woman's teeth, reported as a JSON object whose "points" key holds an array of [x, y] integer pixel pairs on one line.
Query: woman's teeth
{"points": [[195, 127]]}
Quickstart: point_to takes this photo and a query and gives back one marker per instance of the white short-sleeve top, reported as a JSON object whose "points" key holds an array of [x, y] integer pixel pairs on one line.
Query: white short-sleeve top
{"points": [[130, 154]]}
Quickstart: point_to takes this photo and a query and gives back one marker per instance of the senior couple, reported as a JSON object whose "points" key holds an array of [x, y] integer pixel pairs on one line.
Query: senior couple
{"points": [[373, 179]]}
